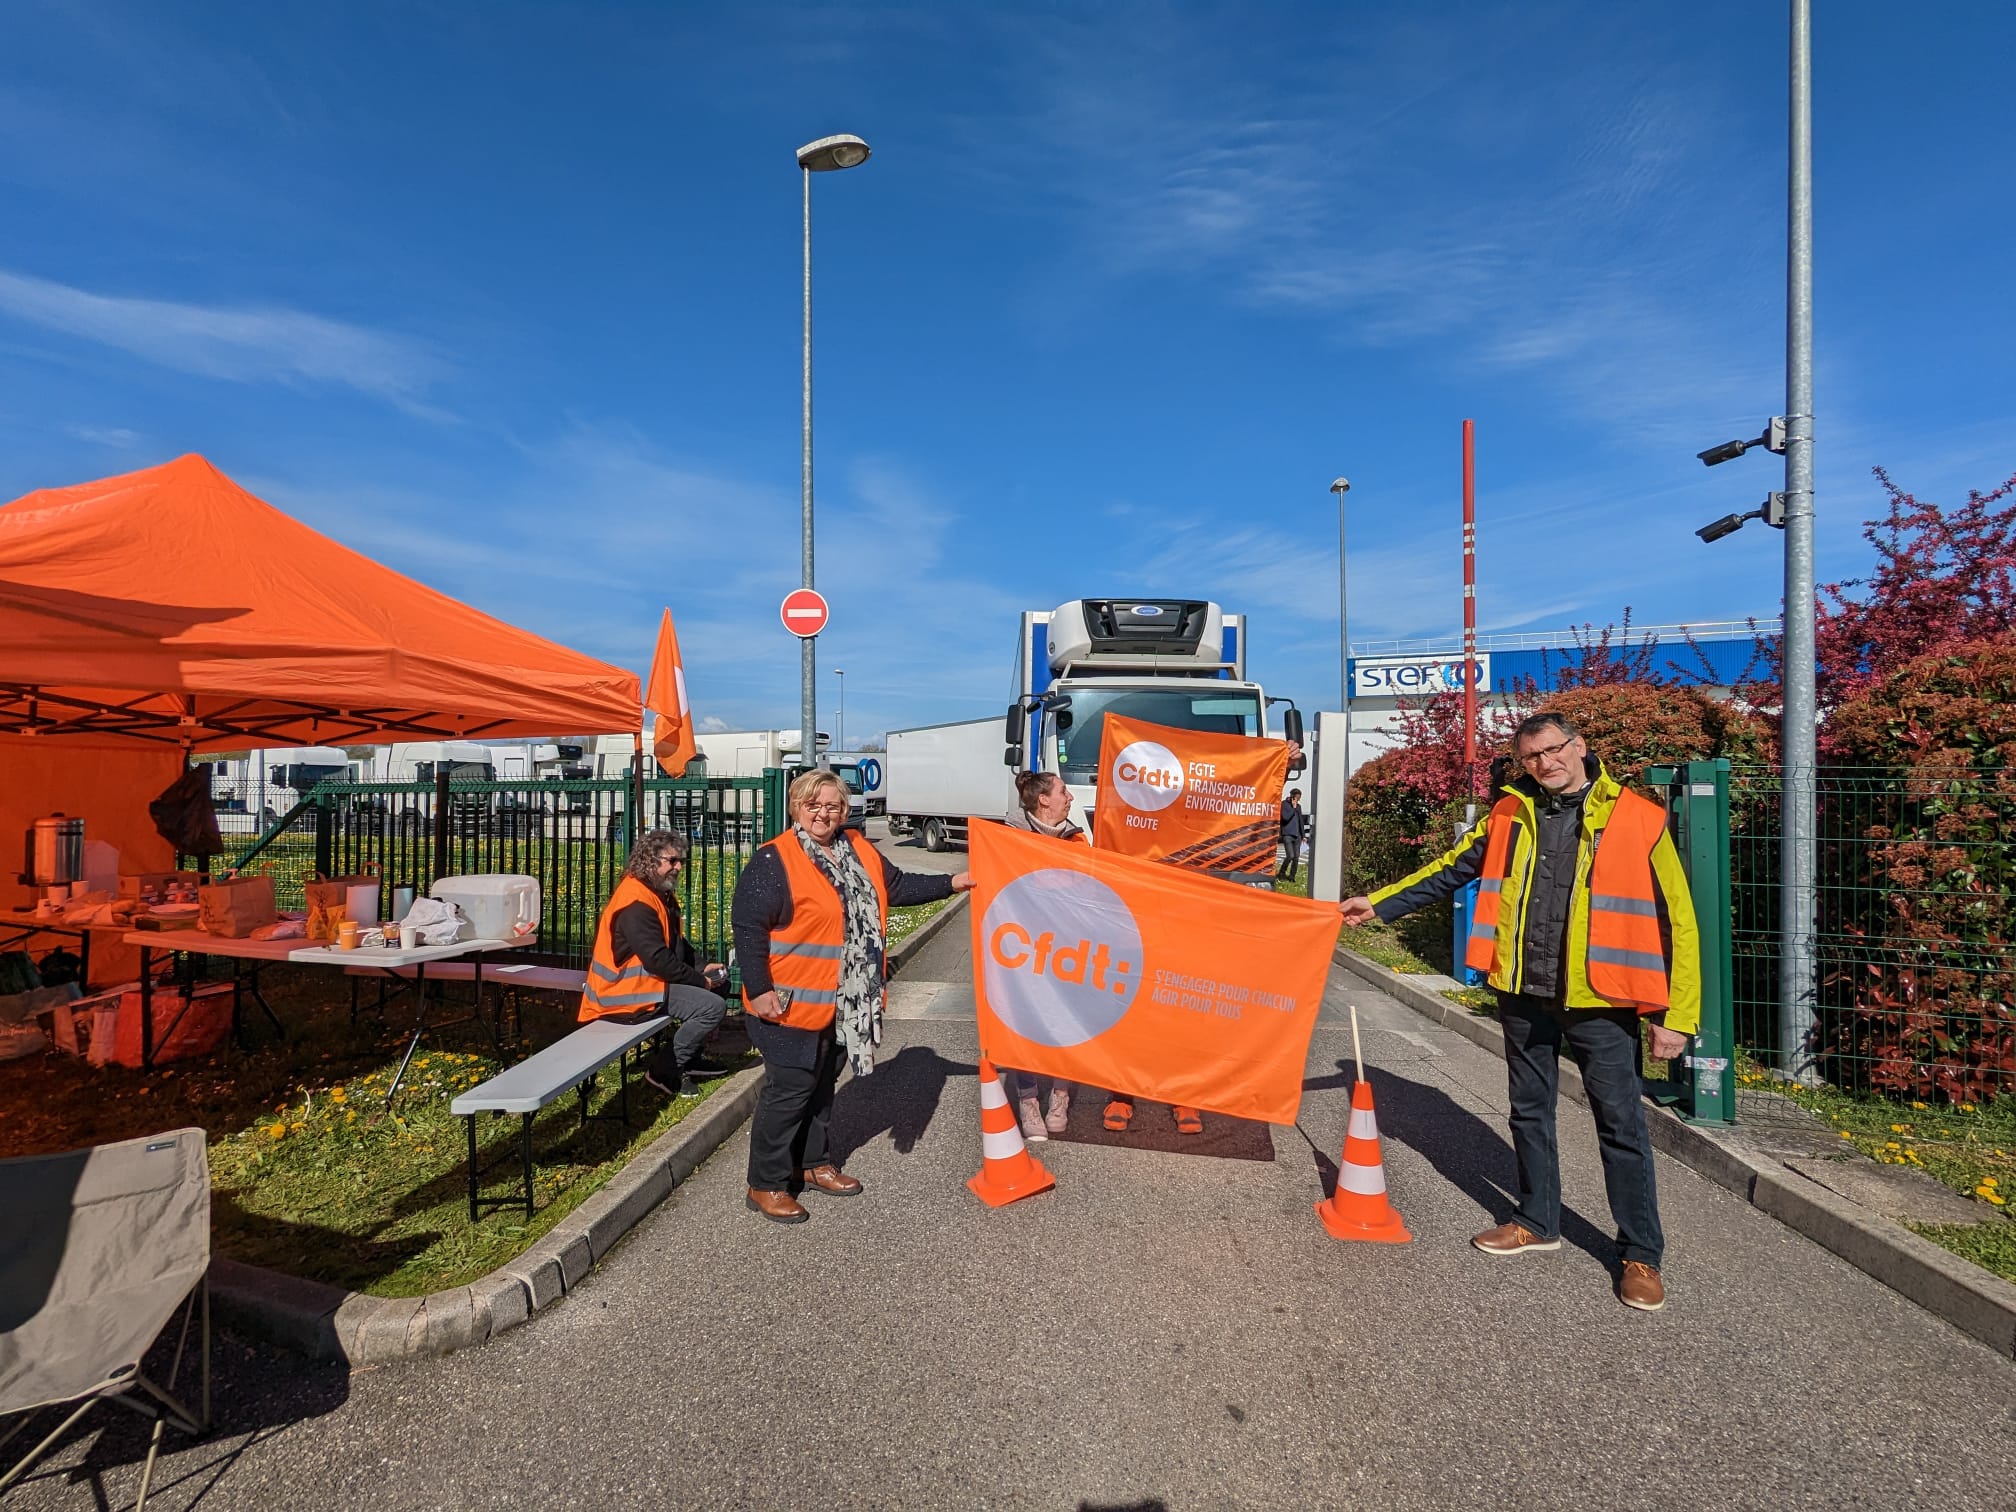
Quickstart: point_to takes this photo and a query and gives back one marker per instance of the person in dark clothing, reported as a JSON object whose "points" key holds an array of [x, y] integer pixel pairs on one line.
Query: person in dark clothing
{"points": [[1294, 830], [643, 965], [811, 916], [1585, 923]]}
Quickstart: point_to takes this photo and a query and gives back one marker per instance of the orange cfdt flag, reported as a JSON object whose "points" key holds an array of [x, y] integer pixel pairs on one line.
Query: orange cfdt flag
{"points": [[665, 696], [1191, 798], [1143, 978]]}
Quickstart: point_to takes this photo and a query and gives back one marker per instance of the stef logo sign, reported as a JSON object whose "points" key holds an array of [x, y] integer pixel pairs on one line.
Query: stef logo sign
{"points": [[1147, 776], [1411, 676]]}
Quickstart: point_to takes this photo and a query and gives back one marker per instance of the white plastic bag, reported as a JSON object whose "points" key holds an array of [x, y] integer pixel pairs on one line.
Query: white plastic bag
{"points": [[437, 923]]}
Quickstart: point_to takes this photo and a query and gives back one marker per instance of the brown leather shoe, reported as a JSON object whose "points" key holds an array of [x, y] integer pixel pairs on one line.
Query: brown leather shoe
{"points": [[830, 1178], [1512, 1239], [1640, 1287], [778, 1207]]}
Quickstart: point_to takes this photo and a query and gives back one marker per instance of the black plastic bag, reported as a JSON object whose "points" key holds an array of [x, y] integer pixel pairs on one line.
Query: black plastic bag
{"points": [[184, 815]]}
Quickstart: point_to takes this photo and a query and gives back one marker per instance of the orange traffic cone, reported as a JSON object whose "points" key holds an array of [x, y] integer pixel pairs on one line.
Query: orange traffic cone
{"points": [[1007, 1169], [1358, 1208]]}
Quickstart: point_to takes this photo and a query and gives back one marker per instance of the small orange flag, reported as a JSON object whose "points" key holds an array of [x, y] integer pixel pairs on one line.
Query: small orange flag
{"points": [[1189, 797], [665, 696]]}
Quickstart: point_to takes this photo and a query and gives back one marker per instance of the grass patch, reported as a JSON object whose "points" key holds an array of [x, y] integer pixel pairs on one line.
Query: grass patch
{"points": [[1971, 1147], [313, 1173], [904, 922], [1384, 945]]}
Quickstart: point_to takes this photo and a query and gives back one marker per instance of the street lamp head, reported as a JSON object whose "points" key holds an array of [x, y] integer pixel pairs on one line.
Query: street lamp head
{"points": [[1341, 487], [1728, 451], [828, 153], [1728, 525]]}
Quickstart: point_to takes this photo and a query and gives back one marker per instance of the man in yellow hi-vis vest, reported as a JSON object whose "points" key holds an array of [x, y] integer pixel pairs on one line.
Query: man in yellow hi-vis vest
{"points": [[1585, 925]]}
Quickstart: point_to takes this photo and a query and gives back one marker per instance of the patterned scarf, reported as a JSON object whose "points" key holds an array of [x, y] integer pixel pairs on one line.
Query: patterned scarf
{"points": [[857, 1008]]}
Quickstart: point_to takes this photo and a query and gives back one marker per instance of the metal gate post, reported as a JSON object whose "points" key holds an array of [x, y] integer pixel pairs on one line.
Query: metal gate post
{"points": [[325, 848], [438, 864], [775, 784], [1698, 800]]}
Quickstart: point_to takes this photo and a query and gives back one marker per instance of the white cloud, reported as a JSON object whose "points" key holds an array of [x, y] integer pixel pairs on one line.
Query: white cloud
{"points": [[241, 344]]}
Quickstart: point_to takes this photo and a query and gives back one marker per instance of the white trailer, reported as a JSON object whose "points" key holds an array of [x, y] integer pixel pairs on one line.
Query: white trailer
{"points": [[939, 776], [866, 776], [749, 753]]}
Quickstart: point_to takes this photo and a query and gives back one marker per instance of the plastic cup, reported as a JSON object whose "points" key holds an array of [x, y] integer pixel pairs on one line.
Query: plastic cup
{"points": [[346, 935]]}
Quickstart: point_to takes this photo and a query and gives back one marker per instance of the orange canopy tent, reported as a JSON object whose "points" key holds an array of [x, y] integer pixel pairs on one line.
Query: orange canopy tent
{"points": [[169, 606]]}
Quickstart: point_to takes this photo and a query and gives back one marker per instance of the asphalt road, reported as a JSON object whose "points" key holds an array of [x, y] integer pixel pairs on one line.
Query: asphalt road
{"points": [[1162, 1331]]}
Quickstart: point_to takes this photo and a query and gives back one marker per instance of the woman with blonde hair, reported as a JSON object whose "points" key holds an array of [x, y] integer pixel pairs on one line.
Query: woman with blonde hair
{"points": [[811, 917]]}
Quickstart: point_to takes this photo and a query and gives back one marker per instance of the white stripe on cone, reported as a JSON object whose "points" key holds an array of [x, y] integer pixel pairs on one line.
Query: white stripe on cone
{"points": [[1366, 1181], [1364, 1124], [1007, 1144], [991, 1095]]}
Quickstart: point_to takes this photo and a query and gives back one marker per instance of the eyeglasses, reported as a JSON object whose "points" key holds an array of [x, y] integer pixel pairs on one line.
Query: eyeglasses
{"points": [[675, 860], [1547, 753], [825, 808]]}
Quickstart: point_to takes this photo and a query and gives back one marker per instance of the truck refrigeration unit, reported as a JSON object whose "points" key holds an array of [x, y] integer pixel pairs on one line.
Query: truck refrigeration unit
{"points": [[1175, 662]]}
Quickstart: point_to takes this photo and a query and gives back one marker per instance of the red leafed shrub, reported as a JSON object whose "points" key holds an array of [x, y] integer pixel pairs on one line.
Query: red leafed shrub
{"points": [[1927, 882]]}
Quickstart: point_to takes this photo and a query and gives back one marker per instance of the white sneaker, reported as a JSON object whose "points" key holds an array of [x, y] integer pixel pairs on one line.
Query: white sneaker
{"points": [[1032, 1120]]}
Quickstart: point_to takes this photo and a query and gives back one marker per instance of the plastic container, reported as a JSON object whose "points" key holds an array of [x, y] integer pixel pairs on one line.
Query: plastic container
{"points": [[501, 906], [361, 902]]}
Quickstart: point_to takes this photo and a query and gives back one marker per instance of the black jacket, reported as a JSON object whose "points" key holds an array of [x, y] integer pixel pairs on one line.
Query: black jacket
{"points": [[763, 903]]}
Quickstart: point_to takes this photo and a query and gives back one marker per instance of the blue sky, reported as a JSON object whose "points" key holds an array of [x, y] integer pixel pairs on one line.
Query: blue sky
{"points": [[507, 295]]}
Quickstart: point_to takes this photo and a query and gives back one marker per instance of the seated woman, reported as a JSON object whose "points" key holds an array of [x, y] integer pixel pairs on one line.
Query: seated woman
{"points": [[811, 917]]}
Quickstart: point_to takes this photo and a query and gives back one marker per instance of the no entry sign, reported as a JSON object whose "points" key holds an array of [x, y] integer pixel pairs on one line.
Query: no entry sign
{"points": [[804, 612]]}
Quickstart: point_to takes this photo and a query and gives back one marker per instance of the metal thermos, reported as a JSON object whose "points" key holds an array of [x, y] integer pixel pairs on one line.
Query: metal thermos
{"points": [[53, 852]]}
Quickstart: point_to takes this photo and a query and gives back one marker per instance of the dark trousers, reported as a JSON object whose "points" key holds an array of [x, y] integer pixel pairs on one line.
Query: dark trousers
{"points": [[698, 1012], [1605, 1046], [787, 1133], [1291, 860]]}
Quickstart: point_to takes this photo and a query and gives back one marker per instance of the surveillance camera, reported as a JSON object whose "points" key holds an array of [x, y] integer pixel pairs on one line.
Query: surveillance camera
{"points": [[1728, 451], [1341, 486], [1728, 525]]}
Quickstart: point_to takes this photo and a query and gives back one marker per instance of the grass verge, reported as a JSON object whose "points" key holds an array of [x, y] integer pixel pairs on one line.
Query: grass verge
{"points": [[313, 1172], [1970, 1147]]}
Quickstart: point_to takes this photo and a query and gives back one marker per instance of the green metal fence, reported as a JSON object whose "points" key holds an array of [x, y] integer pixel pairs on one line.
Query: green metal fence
{"points": [[572, 836], [1915, 929]]}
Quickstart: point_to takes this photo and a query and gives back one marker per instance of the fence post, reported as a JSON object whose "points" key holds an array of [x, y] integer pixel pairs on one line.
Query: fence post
{"points": [[325, 848], [775, 784], [633, 808], [1698, 799], [438, 862]]}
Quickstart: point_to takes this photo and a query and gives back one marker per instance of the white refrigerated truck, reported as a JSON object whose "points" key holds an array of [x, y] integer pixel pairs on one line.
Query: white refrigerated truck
{"points": [[1176, 662]]}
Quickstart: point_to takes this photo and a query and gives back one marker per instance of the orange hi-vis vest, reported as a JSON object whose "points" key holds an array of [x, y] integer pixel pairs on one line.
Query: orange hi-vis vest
{"points": [[622, 989], [1626, 960], [805, 953]]}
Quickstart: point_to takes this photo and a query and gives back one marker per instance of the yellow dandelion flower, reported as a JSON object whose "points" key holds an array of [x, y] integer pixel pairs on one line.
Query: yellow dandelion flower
{"points": [[1998, 1201], [1846, 1135], [1989, 1181], [1892, 1145], [1898, 1128], [338, 1095], [1919, 1106], [351, 1116], [278, 1131]]}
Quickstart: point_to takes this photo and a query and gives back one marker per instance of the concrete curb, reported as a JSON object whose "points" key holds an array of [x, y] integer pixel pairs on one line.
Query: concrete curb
{"points": [[328, 1323], [928, 930], [1971, 1299]]}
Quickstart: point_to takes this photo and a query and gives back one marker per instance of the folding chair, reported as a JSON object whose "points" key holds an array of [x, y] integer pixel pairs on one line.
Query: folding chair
{"points": [[101, 1249]]}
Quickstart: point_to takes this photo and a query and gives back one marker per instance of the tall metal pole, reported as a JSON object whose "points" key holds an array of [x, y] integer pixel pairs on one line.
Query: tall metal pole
{"points": [[840, 733], [1470, 611], [1796, 981], [808, 666], [1343, 631]]}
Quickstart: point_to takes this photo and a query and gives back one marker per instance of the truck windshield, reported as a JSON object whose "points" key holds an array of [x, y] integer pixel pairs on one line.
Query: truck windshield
{"points": [[1081, 727]]}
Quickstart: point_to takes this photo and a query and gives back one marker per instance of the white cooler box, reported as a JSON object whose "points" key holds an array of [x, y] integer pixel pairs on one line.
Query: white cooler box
{"points": [[501, 906]]}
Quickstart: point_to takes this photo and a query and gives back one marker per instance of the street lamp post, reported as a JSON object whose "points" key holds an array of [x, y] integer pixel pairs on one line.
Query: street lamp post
{"points": [[840, 740], [822, 156]]}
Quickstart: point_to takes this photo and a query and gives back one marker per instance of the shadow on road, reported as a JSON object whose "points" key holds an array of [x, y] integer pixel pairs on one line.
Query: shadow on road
{"points": [[260, 1392], [901, 1098], [1465, 1151]]}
